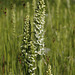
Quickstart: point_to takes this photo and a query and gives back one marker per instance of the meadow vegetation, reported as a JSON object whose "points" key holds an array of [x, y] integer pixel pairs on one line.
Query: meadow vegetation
{"points": [[37, 37]]}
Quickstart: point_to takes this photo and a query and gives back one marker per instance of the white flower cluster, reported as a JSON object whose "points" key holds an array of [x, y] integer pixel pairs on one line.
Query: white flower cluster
{"points": [[49, 70], [28, 54], [39, 21], [31, 50]]}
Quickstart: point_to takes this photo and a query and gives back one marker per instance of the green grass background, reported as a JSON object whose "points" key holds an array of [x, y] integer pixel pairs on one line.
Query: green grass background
{"points": [[59, 35]]}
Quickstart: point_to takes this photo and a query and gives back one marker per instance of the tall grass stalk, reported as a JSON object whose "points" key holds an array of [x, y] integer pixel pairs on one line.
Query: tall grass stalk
{"points": [[13, 23]]}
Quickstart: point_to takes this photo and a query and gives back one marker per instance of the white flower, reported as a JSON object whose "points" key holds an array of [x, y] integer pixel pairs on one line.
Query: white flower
{"points": [[23, 50], [30, 64], [34, 68], [30, 70], [35, 51], [39, 52], [29, 57], [26, 53], [33, 60], [42, 49]]}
